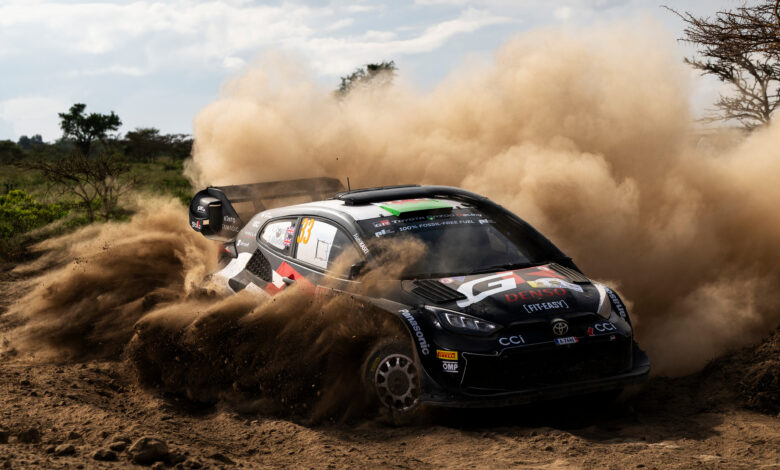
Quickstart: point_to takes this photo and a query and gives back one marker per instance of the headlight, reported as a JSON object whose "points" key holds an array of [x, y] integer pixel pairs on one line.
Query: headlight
{"points": [[462, 323]]}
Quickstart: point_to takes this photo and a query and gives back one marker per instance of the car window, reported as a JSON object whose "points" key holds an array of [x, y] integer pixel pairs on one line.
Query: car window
{"points": [[325, 245], [279, 235]]}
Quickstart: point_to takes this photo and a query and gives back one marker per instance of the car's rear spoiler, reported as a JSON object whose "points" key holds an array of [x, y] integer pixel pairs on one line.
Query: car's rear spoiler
{"points": [[217, 211]]}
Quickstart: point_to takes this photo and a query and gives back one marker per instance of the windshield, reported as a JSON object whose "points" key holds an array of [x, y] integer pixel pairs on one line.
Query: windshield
{"points": [[461, 242]]}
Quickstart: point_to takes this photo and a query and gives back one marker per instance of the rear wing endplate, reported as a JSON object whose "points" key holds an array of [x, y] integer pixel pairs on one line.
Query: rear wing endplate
{"points": [[217, 211]]}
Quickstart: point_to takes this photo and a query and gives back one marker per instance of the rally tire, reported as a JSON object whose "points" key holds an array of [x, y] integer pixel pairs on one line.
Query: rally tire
{"points": [[391, 376]]}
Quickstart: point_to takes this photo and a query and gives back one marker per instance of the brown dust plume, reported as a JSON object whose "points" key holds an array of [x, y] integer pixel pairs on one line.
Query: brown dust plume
{"points": [[586, 135]]}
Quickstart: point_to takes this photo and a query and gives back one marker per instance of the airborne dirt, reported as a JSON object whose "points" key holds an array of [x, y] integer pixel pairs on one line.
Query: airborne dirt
{"points": [[73, 391], [111, 335]]}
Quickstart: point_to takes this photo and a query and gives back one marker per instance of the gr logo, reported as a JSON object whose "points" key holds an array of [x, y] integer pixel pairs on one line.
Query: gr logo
{"points": [[510, 340]]}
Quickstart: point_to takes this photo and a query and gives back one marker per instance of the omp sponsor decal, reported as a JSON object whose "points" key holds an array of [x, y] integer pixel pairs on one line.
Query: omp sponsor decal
{"points": [[567, 340], [450, 367], [424, 346], [621, 309], [544, 306], [360, 243], [534, 294], [495, 283], [554, 282], [511, 340], [448, 355]]}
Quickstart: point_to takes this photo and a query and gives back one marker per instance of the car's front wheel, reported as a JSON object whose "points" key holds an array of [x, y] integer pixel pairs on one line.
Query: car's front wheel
{"points": [[391, 375]]}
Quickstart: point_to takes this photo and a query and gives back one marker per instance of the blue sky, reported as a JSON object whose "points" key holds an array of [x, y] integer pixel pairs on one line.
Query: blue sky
{"points": [[157, 63]]}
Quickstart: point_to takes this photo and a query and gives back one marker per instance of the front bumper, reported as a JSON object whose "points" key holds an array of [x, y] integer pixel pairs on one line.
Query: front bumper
{"points": [[436, 395]]}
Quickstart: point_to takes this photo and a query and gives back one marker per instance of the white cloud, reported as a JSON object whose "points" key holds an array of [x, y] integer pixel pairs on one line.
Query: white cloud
{"points": [[563, 13], [332, 55], [233, 63], [110, 70], [33, 115]]}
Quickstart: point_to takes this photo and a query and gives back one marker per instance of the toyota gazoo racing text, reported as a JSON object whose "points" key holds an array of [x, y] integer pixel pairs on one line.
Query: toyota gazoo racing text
{"points": [[496, 314]]}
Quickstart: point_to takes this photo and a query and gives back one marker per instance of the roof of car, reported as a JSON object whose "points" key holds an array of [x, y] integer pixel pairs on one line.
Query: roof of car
{"points": [[361, 212]]}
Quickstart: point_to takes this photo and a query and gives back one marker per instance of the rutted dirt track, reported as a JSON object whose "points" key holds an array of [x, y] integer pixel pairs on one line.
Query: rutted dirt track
{"points": [[59, 415]]}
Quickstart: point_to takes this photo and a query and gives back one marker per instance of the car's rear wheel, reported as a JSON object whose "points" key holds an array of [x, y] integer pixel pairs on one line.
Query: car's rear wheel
{"points": [[392, 376]]}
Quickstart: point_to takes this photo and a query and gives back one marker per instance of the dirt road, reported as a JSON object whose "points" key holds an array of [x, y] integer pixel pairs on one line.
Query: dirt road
{"points": [[94, 414]]}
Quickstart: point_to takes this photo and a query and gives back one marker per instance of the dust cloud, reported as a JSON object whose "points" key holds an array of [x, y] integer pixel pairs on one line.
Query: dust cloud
{"points": [[588, 135], [141, 291]]}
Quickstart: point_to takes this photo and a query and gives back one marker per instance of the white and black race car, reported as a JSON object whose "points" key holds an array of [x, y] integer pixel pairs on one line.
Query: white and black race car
{"points": [[496, 314]]}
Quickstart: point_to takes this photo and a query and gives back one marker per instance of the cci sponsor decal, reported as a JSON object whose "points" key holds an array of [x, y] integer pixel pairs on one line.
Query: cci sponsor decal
{"points": [[544, 306], [424, 346], [621, 309], [604, 327], [567, 340], [448, 355], [510, 340], [451, 367]]}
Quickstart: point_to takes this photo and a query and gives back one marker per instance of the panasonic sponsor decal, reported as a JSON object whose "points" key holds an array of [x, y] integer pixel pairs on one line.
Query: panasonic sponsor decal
{"points": [[360, 243], [621, 309], [424, 346]]}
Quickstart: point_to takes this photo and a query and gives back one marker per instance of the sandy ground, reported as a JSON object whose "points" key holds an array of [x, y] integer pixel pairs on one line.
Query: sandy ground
{"points": [[61, 415]]}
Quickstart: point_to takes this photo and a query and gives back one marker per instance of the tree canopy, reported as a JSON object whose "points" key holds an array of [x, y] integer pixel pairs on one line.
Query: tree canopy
{"points": [[374, 74], [740, 47], [85, 129]]}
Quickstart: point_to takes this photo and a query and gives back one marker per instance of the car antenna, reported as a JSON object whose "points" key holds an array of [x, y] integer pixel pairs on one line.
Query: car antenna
{"points": [[348, 188]]}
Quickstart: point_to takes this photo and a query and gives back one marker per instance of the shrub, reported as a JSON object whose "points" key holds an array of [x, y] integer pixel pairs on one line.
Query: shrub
{"points": [[20, 213]]}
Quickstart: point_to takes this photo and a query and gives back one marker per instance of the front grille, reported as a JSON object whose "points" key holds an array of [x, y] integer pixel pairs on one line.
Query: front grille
{"points": [[573, 275], [436, 292], [259, 266], [526, 368]]}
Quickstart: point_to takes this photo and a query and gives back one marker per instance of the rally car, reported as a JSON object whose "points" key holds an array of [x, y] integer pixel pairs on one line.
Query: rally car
{"points": [[495, 313]]}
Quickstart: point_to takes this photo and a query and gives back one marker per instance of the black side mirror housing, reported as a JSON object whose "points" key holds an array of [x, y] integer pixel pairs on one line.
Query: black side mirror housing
{"points": [[354, 270]]}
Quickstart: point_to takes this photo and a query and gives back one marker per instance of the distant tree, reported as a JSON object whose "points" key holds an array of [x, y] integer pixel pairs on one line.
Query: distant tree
{"points": [[27, 142], [382, 73], [145, 144], [85, 129], [10, 151], [740, 47], [98, 182]]}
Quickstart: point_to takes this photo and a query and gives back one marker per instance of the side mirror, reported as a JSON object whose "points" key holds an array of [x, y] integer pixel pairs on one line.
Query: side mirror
{"points": [[354, 270]]}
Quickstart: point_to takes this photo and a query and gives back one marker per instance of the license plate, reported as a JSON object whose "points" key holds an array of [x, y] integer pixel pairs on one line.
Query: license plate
{"points": [[567, 340]]}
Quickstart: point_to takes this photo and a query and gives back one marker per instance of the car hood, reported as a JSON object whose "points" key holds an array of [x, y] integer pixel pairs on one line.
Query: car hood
{"points": [[508, 296]]}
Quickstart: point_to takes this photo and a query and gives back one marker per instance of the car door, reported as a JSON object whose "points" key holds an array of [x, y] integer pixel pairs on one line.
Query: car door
{"points": [[311, 251]]}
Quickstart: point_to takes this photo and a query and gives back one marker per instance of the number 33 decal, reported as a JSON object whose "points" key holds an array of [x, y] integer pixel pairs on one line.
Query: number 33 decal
{"points": [[305, 233]]}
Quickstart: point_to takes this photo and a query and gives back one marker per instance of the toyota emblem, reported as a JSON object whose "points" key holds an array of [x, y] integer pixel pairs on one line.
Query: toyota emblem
{"points": [[560, 327]]}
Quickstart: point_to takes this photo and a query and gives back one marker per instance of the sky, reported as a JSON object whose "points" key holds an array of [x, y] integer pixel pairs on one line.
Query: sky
{"points": [[157, 63]]}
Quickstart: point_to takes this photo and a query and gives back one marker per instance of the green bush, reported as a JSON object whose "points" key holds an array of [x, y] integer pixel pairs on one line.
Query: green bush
{"points": [[19, 213]]}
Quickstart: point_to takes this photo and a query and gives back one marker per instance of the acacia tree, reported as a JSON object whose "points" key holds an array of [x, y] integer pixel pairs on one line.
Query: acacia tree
{"points": [[740, 47], [97, 181], [84, 129], [375, 74]]}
